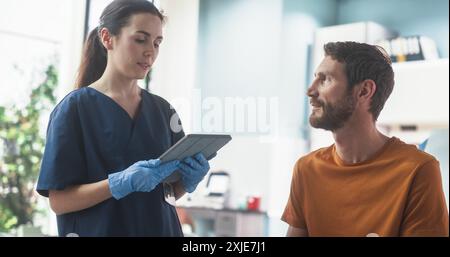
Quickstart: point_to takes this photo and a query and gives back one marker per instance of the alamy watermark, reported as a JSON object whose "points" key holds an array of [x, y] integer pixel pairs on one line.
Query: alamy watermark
{"points": [[237, 115]]}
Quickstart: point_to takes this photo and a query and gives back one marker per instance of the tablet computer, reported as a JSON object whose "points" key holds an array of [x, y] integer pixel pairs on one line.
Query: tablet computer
{"points": [[190, 145]]}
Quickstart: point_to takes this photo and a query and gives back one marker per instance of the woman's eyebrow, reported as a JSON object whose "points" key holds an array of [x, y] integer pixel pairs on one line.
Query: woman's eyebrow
{"points": [[143, 32], [148, 34]]}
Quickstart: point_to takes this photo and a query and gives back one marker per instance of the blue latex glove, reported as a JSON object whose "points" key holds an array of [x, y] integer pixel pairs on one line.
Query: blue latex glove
{"points": [[193, 170], [142, 176]]}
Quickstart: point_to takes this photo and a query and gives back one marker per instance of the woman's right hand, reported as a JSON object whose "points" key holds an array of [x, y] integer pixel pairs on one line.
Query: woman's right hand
{"points": [[142, 176]]}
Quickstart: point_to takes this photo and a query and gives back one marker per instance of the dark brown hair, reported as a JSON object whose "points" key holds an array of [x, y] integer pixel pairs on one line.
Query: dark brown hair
{"points": [[114, 17], [363, 61]]}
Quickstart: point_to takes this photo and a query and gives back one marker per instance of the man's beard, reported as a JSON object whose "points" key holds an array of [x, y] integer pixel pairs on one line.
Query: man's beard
{"points": [[333, 116]]}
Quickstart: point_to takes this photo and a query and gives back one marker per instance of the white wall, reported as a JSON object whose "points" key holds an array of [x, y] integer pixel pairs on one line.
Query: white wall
{"points": [[72, 44], [239, 52], [250, 49], [29, 41], [174, 72]]}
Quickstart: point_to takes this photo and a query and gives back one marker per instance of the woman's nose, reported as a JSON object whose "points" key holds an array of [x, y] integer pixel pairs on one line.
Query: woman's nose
{"points": [[150, 51]]}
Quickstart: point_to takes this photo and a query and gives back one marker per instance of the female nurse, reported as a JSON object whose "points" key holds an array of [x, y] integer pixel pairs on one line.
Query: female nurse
{"points": [[100, 168]]}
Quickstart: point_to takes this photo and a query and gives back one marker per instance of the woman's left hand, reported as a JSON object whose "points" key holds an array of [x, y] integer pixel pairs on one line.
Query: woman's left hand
{"points": [[193, 170]]}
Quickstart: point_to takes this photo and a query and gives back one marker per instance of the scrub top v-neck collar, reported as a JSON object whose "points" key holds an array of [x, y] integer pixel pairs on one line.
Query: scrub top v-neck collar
{"points": [[132, 120]]}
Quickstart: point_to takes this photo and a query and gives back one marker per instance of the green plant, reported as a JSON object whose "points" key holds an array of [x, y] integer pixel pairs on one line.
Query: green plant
{"points": [[23, 148]]}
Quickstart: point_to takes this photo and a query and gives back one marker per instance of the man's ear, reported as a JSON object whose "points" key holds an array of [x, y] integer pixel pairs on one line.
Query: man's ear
{"points": [[367, 89], [106, 38]]}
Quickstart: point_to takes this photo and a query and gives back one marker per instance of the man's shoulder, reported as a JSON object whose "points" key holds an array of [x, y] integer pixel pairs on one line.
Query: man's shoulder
{"points": [[410, 153], [324, 153]]}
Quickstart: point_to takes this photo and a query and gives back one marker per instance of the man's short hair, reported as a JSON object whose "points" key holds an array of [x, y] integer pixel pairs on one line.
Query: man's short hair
{"points": [[363, 61]]}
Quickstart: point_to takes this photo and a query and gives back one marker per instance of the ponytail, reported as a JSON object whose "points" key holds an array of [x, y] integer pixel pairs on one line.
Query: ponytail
{"points": [[93, 61]]}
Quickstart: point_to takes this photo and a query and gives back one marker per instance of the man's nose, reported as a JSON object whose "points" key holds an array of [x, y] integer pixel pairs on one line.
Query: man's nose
{"points": [[312, 90]]}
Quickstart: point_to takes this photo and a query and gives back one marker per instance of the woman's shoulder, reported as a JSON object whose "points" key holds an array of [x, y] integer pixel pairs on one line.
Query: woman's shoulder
{"points": [[79, 95], [70, 102], [156, 99]]}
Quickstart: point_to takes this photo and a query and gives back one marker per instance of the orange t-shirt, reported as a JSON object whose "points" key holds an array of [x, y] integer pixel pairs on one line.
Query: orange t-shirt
{"points": [[398, 192]]}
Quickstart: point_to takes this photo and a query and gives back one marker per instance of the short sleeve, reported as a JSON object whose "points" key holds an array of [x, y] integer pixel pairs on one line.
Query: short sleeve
{"points": [[63, 163], [293, 212], [426, 212]]}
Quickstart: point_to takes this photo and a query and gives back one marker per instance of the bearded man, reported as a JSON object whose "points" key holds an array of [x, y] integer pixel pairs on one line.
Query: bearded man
{"points": [[365, 184]]}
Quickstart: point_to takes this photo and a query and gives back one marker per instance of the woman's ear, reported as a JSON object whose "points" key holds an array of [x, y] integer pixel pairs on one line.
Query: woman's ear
{"points": [[106, 38]]}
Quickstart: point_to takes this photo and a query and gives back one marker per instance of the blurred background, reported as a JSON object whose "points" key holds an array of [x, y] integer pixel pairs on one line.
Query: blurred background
{"points": [[239, 67]]}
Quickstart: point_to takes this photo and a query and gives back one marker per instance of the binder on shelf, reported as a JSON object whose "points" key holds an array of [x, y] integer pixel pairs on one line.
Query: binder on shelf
{"points": [[410, 48]]}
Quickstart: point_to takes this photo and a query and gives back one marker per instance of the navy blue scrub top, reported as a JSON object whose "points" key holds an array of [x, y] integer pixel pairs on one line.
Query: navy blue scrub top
{"points": [[90, 136]]}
